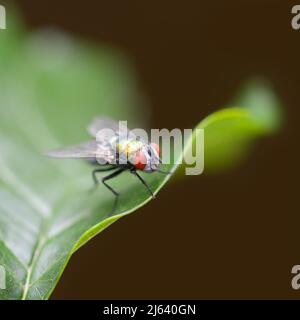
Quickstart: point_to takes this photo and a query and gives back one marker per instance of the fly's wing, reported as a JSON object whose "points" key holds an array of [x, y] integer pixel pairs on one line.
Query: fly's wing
{"points": [[85, 150], [90, 150], [101, 123]]}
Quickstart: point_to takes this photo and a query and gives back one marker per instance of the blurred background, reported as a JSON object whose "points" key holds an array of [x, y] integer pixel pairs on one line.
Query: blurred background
{"points": [[223, 236]]}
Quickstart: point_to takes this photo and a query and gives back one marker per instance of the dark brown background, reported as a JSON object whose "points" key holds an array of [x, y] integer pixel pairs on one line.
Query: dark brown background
{"points": [[233, 235]]}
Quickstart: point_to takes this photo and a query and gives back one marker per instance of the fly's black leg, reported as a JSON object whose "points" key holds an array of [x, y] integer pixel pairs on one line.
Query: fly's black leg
{"points": [[143, 182], [96, 181], [113, 175]]}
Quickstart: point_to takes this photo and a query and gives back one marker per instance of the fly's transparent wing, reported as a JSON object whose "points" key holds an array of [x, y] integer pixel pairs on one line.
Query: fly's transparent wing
{"points": [[85, 150], [90, 150], [101, 123]]}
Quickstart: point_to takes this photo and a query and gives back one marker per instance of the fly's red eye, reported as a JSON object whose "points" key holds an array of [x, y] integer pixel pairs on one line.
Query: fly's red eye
{"points": [[155, 147], [140, 160]]}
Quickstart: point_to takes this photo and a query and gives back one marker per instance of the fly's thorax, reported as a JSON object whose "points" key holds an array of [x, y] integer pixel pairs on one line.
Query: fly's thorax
{"points": [[129, 147], [142, 156], [128, 150]]}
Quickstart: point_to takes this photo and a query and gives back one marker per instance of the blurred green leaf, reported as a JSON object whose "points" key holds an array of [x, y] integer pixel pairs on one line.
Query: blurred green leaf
{"points": [[230, 132], [260, 99]]}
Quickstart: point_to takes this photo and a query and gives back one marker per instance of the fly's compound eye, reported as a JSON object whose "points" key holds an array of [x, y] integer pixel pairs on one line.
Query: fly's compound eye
{"points": [[140, 160], [156, 148]]}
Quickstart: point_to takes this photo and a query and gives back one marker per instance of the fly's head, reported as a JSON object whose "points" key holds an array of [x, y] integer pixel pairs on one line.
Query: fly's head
{"points": [[147, 158]]}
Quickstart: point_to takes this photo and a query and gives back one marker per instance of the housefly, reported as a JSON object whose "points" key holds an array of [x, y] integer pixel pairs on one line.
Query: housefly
{"points": [[117, 152]]}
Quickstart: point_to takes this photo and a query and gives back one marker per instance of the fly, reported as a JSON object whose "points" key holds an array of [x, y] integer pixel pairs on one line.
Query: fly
{"points": [[109, 152]]}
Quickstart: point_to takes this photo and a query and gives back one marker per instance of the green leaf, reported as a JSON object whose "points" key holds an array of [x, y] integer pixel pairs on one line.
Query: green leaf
{"points": [[51, 87], [230, 132]]}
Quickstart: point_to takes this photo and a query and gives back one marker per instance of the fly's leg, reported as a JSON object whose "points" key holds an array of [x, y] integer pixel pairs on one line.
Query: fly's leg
{"points": [[94, 175], [143, 182], [111, 176]]}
